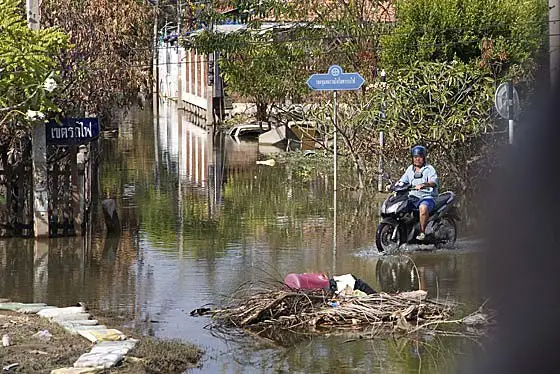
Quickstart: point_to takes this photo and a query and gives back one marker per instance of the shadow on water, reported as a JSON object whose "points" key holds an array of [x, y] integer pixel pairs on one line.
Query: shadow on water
{"points": [[199, 217]]}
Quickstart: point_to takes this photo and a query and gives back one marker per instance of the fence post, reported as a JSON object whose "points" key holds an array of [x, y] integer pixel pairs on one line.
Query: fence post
{"points": [[76, 162]]}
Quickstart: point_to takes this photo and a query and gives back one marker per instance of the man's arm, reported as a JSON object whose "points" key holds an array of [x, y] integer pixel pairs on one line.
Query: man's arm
{"points": [[427, 184], [432, 178], [404, 177]]}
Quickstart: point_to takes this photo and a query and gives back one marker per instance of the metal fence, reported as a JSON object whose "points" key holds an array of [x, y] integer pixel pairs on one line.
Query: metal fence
{"points": [[69, 181]]}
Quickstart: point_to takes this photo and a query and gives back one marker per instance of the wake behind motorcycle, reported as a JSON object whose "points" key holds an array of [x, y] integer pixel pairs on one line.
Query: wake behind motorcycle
{"points": [[400, 223]]}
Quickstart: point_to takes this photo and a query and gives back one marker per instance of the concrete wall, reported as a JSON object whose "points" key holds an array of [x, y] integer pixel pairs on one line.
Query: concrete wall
{"points": [[175, 62]]}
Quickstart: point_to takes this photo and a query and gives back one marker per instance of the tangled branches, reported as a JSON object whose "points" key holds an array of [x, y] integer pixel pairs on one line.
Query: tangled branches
{"points": [[314, 312]]}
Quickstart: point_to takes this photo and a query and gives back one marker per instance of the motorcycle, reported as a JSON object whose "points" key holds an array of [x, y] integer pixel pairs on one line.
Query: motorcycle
{"points": [[400, 223]]}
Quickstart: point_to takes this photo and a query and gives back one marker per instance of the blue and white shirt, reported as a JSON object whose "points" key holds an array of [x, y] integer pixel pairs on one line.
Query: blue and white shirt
{"points": [[427, 173]]}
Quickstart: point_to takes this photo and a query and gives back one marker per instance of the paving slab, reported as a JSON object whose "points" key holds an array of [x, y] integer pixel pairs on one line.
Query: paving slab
{"points": [[105, 360]]}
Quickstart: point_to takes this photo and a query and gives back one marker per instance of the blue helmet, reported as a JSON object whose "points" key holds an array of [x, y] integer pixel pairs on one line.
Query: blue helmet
{"points": [[419, 151]]}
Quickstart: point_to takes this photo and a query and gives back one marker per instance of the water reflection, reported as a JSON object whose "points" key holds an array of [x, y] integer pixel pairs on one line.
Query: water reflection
{"points": [[199, 218], [65, 272], [445, 274]]}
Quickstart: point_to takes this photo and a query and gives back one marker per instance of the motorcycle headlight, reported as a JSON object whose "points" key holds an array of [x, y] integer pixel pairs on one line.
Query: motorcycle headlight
{"points": [[393, 208]]}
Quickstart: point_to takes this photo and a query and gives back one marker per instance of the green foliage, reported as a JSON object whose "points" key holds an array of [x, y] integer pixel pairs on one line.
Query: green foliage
{"points": [[27, 59], [443, 61], [256, 69], [433, 103], [269, 64], [445, 106], [498, 34], [110, 62], [267, 73], [351, 32], [306, 167]]}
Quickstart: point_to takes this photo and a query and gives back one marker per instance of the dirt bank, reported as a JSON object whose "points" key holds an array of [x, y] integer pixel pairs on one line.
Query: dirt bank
{"points": [[34, 354]]}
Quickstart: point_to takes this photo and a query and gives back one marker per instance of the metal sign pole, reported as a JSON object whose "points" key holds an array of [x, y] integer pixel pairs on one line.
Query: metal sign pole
{"points": [[335, 121], [334, 138], [335, 80], [506, 101], [380, 163], [381, 141], [510, 111]]}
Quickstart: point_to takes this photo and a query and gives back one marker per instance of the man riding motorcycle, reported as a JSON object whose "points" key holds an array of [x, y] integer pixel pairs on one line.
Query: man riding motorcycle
{"points": [[424, 181]]}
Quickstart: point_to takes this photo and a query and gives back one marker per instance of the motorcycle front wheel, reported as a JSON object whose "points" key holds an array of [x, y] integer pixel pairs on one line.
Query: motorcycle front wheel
{"points": [[384, 238]]}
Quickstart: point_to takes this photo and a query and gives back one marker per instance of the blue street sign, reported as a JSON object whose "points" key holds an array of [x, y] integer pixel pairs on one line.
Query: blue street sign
{"points": [[72, 131], [335, 80]]}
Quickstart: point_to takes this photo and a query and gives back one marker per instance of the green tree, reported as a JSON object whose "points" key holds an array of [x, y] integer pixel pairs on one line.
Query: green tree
{"points": [[110, 62], [262, 72], [269, 64], [446, 106], [351, 32], [443, 59], [28, 74], [499, 34]]}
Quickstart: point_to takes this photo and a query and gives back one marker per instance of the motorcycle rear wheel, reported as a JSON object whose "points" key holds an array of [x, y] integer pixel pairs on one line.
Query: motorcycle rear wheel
{"points": [[383, 240], [447, 233]]}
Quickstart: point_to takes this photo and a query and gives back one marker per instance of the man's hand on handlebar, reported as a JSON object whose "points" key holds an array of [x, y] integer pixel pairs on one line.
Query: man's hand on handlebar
{"points": [[421, 186]]}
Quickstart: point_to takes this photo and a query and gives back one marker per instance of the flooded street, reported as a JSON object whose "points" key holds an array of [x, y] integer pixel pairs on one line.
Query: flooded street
{"points": [[199, 219]]}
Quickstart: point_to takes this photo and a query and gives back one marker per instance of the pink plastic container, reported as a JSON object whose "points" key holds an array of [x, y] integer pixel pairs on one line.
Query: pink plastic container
{"points": [[306, 281]]}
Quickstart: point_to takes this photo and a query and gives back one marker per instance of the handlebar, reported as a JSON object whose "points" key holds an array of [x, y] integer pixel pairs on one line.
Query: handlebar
{"points": [[403, 187]]}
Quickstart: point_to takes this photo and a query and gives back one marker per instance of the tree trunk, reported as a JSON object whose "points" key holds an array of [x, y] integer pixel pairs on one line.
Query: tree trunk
{"points": [[261, 111], [355, 158], [359, 170]]}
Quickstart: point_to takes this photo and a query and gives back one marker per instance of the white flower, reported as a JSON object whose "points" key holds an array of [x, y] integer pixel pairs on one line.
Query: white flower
{"points": [[50, 84], [34, 114]]}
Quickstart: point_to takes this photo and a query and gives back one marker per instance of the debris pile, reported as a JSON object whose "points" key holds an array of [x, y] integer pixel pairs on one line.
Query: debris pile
{"points": [[318, 311]]}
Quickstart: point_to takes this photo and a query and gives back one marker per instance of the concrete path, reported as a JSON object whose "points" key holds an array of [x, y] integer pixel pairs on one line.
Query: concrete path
{"points": [[110, 345]]}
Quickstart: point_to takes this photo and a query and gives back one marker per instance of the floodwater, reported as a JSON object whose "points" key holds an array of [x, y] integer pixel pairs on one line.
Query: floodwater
{"points": [[199, 219]]}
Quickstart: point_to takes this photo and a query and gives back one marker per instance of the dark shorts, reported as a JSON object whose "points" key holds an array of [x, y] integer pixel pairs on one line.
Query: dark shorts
{"points": [[430, 203]]}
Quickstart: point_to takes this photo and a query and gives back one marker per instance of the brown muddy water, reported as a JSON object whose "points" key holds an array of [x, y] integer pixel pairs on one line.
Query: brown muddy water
{"points": [[199, 219]]}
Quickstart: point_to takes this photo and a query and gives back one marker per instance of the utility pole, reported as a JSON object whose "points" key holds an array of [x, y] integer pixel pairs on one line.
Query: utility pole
{"points": [[381, 138], [180, 64], [210, 92], [40, 192], [39, 149], [210, 84], [155, 56], [178, 20], [554, 39]]}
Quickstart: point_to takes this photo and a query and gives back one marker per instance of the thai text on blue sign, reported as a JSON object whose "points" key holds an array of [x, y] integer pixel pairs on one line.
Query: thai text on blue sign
{"points": [[336, 79], [72, 131]]}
